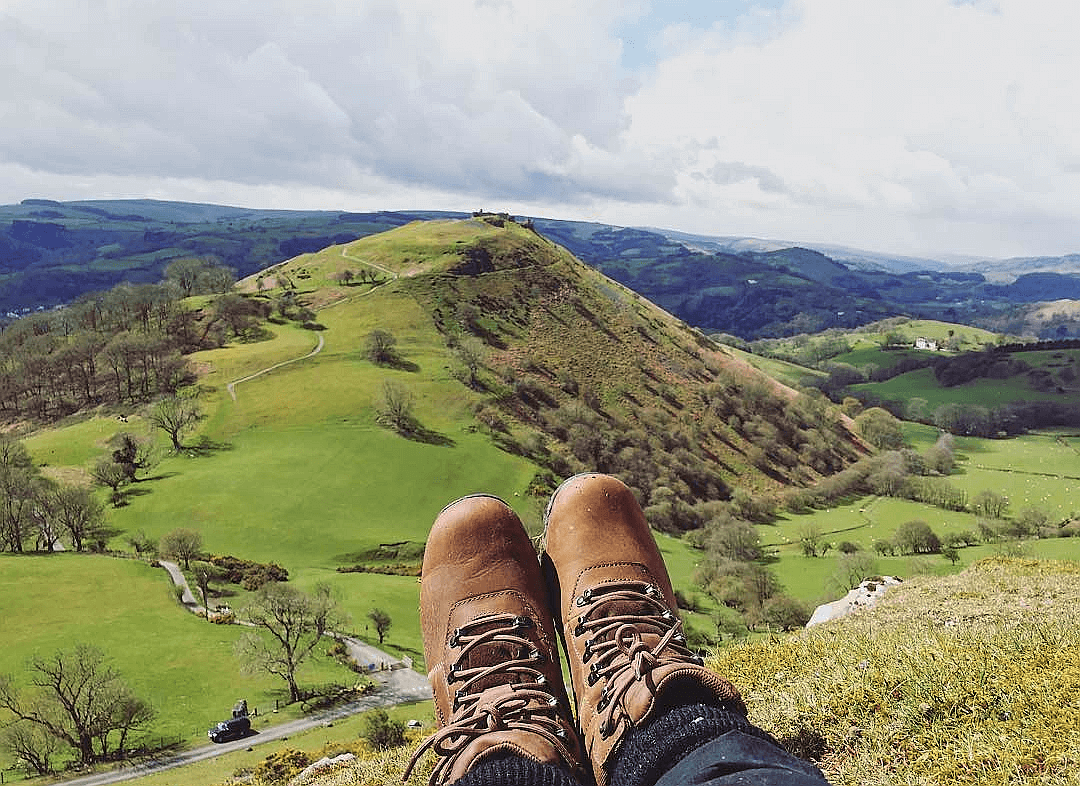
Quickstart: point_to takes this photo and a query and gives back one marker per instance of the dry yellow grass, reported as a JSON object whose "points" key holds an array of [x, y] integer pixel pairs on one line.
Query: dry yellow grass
{"points": [[966, 679]]}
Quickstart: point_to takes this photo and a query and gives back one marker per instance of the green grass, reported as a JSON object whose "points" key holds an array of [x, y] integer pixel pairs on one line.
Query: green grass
{"points": [[963, 680], [182, 665]]}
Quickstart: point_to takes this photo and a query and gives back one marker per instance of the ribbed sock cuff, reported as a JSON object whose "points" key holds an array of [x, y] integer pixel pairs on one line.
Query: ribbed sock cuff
{"points": [[517, 770], [651, 750]]}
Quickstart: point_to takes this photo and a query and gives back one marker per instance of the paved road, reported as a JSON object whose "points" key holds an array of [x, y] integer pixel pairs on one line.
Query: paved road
{"points": [[396, 687]]}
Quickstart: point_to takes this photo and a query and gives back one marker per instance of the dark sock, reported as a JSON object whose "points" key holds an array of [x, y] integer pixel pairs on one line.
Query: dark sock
{"points": [[511, 770], [654, 748]]}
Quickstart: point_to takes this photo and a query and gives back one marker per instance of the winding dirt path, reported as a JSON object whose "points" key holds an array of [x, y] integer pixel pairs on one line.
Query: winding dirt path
{"points": [[231, 387]]}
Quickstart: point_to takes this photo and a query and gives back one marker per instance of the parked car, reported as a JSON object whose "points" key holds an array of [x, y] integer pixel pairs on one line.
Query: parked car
{"points": [[231, 729]]}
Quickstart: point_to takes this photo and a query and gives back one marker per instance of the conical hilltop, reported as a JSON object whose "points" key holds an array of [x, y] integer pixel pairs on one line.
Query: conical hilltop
{"points": [[573, 371]]}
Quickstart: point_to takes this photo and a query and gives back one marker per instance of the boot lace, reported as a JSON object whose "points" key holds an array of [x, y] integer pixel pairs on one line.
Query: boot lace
{"points": [[629, 630], [509, 694]]}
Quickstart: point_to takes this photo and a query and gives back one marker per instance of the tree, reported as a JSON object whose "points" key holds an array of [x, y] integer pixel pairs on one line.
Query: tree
{"points": [[951, 553], [20, 483], [394, 408], [79, 513], [470, 353], [380, 347], [784, 612], [916, 537], [107, 472], [182, 545], [132, 454], [205, 573], [382, 622], [810, 540], [79, 698], [289, 625], [31, 744], [175, 415], [880, 429], [990, 504]]}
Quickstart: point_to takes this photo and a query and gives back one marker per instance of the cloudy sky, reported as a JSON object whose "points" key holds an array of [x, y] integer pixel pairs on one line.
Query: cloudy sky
{"points": [[908, 126]]}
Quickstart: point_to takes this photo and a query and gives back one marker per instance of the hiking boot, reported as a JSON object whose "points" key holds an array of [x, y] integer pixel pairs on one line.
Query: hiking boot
{"points": [[620, 625], [490, 645]]}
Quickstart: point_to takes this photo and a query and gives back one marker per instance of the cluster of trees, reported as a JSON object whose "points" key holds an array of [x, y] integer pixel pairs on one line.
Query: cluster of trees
{"points": [[36, 512], [75, 699], [120, 346]]}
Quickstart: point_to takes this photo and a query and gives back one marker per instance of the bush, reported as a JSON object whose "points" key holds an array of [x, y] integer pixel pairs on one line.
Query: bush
{"points": [[280, 767], [381, 731], [785, 613]]}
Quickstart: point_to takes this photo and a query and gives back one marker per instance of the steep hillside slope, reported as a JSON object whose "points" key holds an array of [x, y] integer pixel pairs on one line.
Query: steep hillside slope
{"points": [[575, 371]]}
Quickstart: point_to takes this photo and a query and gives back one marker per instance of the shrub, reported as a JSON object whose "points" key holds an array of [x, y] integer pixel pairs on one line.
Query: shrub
{"points": [[280, 767], [381, 731]]}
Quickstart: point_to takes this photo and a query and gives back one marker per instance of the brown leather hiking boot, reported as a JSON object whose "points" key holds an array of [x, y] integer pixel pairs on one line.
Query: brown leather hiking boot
{"points": [[490, 644], [620, 625]]}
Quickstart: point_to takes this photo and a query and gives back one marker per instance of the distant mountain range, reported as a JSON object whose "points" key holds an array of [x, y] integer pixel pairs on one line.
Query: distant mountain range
{"points": [[53, 252]]}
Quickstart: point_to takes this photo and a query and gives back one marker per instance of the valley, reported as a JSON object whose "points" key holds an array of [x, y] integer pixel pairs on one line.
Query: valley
{"points": [[521, 365]]}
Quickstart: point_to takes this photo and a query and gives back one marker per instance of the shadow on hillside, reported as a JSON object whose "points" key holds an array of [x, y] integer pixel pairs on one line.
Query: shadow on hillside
{"points": [[401, 364], [427, 436], [206, 447]]}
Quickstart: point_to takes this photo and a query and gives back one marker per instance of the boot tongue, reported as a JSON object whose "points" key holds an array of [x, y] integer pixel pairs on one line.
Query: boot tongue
{"points": [[495, 653]]}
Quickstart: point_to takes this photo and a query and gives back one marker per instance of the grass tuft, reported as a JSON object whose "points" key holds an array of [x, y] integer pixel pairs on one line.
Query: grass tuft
{"points": [[966, 679]]}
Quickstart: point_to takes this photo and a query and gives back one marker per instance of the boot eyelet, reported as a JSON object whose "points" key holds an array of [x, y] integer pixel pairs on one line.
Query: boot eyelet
{"points": [[588, 653], [602, 704], [541, 680], [523, 622], [606, 729], [668, 615], [561, 733], [553, 702], [593, 678], [584, 598], [455, 638], [451, 675], [652, 591], [579, 630]]}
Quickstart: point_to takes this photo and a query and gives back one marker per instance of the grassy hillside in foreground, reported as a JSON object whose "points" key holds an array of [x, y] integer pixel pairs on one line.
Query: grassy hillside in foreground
{"points": [[969, 680]]}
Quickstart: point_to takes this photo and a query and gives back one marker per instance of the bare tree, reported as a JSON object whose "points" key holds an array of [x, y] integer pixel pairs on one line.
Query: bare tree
{"points": [[174, 415], [394, 408], [289, 625], [181, 544], [79, 698], [380, 347], [31, 744]]}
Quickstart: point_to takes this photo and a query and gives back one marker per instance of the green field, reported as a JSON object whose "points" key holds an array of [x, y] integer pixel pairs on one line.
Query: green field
{"points": [[296, 471], [181, 664]]}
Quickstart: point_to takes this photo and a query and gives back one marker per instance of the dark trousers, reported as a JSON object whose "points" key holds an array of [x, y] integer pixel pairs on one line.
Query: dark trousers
{"points": [[696, 744]]}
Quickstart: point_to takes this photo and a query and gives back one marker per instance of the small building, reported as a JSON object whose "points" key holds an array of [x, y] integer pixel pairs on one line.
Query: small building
{"points": [[926, 343]]}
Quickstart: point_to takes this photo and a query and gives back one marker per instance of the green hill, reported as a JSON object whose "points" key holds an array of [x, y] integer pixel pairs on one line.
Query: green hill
{"points": [[523, 365]]}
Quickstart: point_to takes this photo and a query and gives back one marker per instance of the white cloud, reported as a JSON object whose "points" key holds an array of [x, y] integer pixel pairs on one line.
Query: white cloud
{"points": [[913, 124], [906, 125]]}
